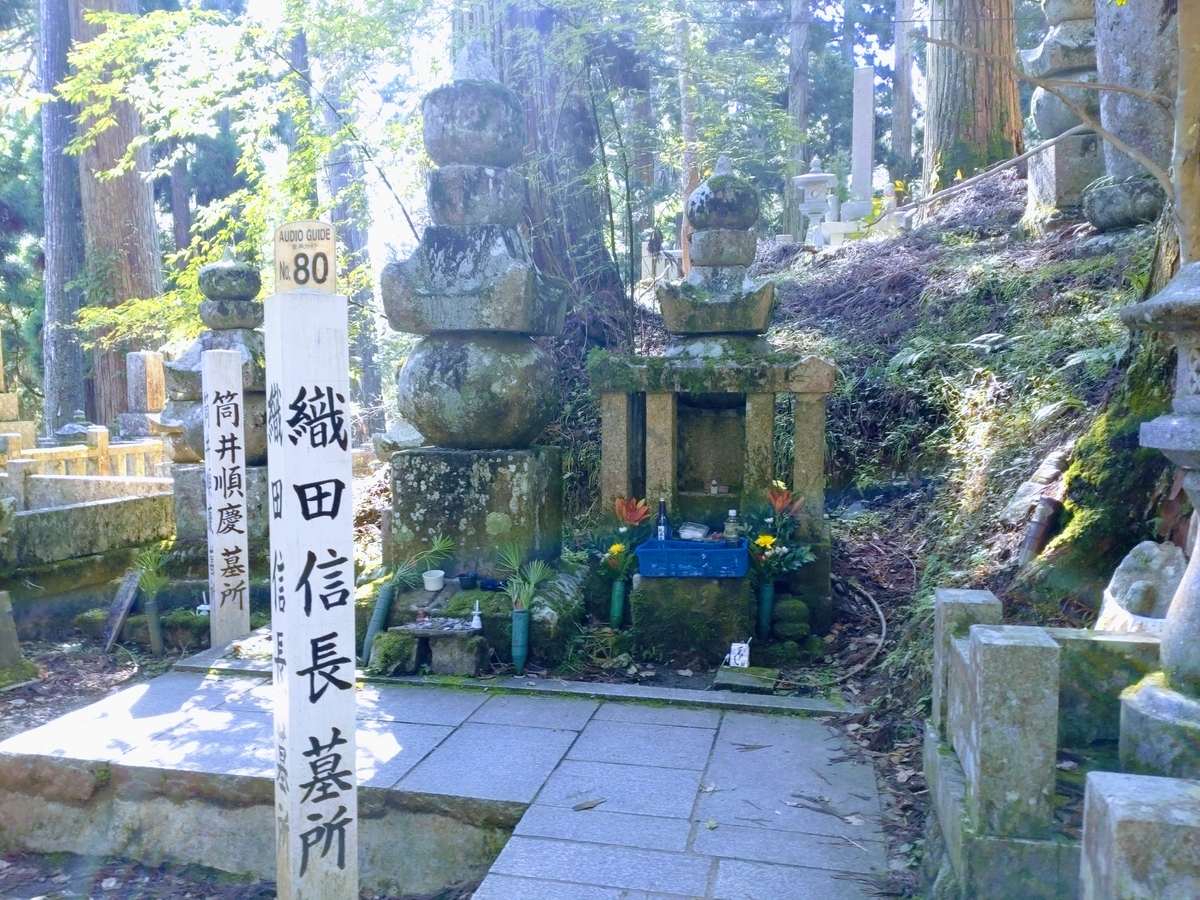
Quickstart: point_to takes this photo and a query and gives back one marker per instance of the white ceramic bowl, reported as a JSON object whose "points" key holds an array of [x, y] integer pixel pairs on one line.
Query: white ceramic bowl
{"points": [[435, 579]]}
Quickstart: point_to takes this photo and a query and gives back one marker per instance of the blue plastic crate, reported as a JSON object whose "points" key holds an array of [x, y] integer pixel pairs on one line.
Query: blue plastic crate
{"points": [[692, 559]]}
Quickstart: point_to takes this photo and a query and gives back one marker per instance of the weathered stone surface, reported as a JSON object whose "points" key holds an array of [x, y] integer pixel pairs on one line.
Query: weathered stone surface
{"points": [[479, 391], [1141, 838], [229, 279], [663, 375], [463, 655], [475, 195], [1133, 50], [687, 310], [481, 499], [401, 436], [188, 445], [191, 506], [716, 347], [9, 408], [1003, 721], [954, 612], [723, 201], [474, 123], [1026, 496], [722, 247], [753, 680], [692, 615], [144, 385], [183, 374], [1070, 45], [1139, 594], [10, 644], [42, 536], [170, 426], [223, 315], [1160, 730], [480, 278], [986, 866], [1059, 11], [1052, 116], [1094, 668], [1126, 204], [1059, 175]]}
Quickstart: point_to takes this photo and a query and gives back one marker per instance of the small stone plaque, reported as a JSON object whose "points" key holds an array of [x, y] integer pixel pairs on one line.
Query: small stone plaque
{"points": [[739, 656], [305, 257]]}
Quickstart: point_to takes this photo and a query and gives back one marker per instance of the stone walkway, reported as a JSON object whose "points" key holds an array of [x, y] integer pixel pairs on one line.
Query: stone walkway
{"points": [[616, 799]]}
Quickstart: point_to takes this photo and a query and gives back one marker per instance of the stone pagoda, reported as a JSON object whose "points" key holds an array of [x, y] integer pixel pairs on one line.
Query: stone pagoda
{"points": [[696, 426], [476, 385], [233, 316]]}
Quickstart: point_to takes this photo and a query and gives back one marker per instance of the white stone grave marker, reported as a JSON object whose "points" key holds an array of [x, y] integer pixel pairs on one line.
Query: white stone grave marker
{"points": [[312, 590], [225, 475], [305, 257]]}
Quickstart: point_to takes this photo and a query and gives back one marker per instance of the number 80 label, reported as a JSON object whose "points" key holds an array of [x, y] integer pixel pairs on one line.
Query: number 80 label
{"points": [[304, 253]]}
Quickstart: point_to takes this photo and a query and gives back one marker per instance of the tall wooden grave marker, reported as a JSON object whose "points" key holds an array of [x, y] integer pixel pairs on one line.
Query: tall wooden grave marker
{"points": [[312, 571], [225, 471]]}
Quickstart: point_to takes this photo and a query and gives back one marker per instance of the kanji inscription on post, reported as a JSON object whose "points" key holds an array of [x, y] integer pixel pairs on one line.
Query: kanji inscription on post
{"points": [[312, 589], [305, 257], [225, 474]]}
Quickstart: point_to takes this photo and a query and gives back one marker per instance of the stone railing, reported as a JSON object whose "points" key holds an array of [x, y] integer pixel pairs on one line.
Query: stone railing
{"points": [[98, 457]]}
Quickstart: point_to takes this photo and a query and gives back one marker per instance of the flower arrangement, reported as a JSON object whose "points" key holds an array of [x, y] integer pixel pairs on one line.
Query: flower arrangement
{"points": [[614, 547], [775, 548], [618, 561]]}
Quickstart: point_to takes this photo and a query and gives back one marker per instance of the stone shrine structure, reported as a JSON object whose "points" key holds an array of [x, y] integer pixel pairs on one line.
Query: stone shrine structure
{"points": [[862, 149], [233, 316], [704, 412], [476, 385], [145, 394], [1058, 175]]}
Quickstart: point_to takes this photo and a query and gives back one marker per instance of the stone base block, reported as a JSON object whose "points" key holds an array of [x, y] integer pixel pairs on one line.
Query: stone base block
{"points": [[1057, 176], [479, 498], [27, 431], [136, 425], [994, 868], [1160, 730], [810, 584], [688, 309], [722, 247], [854, 210], [1141, 838], [692, 615], [9, 408], [476, 278], [191, 506]]}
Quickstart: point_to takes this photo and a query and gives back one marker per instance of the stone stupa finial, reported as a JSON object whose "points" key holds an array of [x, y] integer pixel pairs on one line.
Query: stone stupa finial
{"points": [[474, 64]]}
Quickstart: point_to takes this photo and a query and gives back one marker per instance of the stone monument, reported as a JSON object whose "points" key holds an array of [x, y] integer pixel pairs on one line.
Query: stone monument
{"points": [[476, 386], [862, 150], [817, 191], [145, 394], [1058, 175], [1160, 717], [703, 414], [233, 316]]}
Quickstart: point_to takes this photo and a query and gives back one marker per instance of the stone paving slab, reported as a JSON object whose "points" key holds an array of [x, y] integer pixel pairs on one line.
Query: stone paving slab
{"points": [[642, 790], [758, 844], [605, 866], [509, 887], [636, 744], [536, 712], [599, 826], [738, 880], [679, 717]]}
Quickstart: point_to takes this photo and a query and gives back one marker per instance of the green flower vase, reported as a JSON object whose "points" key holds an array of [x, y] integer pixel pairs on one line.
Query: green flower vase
{"points": [[520, 639], [616, 605], [766, 608]]}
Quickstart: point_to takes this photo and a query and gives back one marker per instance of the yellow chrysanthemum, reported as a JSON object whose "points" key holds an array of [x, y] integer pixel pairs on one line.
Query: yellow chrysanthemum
{"points": [[765, 540], [616, 549]]}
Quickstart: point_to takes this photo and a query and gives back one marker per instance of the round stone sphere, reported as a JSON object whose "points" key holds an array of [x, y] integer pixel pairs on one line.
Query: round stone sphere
{"points": [[474, 123], [229, 279], [479, 391], [475, 195], [723, 201]]}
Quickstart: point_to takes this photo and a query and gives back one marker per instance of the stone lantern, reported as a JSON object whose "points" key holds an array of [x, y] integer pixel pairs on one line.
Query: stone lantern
{"points": [[817, 197], [477, 385], [1160, 717]]}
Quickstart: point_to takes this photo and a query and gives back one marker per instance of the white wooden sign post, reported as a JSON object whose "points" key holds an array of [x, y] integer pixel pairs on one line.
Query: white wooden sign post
{"points": [[225, 474], [312, 587]]}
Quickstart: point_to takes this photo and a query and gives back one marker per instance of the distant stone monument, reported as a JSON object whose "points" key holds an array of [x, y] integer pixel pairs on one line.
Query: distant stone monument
{"points": [[1058, 175], [476, 386], [862, 151], [145, 391]]}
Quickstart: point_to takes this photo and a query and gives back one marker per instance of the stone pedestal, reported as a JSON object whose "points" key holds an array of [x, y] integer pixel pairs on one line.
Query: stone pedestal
{"points": [[1141, 838], [1160, 730], [479, 498], [699, 615], [954, 612], [1058, 176]]}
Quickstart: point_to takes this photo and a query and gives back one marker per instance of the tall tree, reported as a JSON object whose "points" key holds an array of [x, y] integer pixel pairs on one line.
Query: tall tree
{"points": [[688, 126], [345, 173], [1187, 132], [119, 229], [973, 110], [902, 89], [62, 357], [798, 47]]}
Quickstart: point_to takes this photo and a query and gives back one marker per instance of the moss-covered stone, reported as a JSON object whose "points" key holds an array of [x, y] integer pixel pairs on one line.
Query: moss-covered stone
{"points": [[730, 374], [775, 655], [692, 309], [790, 610], [22, 670], [474, 123], [229, 279], [723, 201], [549, 630], [791, 631], [1110, 487], [393, 652], [810, 585], [692, 615]]}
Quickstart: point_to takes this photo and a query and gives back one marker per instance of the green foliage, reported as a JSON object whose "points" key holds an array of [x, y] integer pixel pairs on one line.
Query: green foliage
{"points": [[150, 564], [409, 571], [21, 300]]}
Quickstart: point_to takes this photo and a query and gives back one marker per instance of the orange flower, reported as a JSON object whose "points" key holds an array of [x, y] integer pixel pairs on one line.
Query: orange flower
{"points": [[631, 512]]}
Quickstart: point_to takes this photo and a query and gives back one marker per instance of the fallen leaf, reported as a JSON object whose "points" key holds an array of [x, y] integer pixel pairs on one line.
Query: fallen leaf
{"points": [[108, 884], [712, 824], [1068, 764], [588, 804], [855, 820], [686, 673], [746, 748]]}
